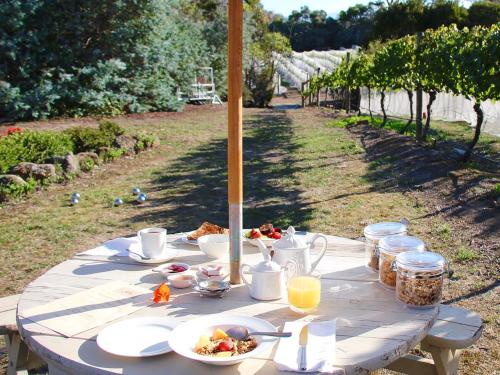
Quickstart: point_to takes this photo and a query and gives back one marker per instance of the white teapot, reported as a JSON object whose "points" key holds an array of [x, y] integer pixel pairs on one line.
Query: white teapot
{"points": [[268, 278], [293, 248]]}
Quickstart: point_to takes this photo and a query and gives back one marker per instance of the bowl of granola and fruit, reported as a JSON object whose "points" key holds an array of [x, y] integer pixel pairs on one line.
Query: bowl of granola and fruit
{"points": [[205, 339], [266, 232]]}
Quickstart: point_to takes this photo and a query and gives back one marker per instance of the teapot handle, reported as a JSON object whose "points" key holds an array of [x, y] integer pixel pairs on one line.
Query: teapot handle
{"points": [[245, 281], [323, 251]]}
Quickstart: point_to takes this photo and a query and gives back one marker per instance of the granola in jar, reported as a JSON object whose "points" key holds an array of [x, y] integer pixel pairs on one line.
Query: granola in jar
{"points": [[389, 248], [373, 234], [420, 278]]}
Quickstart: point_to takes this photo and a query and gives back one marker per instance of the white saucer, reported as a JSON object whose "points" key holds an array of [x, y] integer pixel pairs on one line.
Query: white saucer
{"points": [[167, 254]]}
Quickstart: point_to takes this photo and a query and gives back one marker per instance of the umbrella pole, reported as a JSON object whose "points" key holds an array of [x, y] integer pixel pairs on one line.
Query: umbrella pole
{"points": [[235, 143]]}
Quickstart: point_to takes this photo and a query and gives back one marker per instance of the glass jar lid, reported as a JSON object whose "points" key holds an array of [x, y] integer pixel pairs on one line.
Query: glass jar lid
{"points": [[420, 261], [380, 230], [399, 243]]}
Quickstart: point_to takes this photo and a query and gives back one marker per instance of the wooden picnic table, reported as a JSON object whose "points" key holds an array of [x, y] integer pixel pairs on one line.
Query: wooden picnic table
{"points": [[373, 328]]}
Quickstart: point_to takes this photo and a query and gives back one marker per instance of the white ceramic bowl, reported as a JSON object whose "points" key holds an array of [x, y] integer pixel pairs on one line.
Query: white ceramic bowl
{"points": [[181, 281], [184, 337], [214, 245]]}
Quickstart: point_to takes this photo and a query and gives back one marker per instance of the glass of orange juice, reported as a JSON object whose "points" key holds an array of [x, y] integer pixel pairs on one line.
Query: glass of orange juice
{"points": [[304, 292]]}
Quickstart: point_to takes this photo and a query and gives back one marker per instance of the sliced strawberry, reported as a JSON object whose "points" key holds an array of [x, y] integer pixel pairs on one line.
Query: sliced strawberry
{"points": [[276, 235], [225, 346]]}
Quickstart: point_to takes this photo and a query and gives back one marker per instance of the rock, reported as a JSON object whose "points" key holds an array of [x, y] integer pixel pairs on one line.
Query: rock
{"points": [[11, 179], [127, 143], [69, 163], [88, 155], [36, 171]]}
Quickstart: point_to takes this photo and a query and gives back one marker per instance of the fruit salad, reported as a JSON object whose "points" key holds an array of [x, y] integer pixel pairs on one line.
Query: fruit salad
{"points": [[265, 230], [221, 345]]}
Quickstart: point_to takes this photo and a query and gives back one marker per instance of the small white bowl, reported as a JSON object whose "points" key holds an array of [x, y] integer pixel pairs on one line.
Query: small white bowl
{"points": [[214, 245], [181, 281]]}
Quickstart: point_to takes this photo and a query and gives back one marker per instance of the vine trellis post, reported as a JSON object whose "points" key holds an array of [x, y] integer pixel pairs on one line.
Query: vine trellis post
{"points": [[418, 114]]}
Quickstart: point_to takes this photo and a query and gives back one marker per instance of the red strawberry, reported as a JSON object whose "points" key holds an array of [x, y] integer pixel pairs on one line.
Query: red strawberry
{"points": [[276, 235], [254, 234], [225, 346]]}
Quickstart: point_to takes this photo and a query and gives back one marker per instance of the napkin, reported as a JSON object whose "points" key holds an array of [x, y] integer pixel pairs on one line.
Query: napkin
{"points": [[116, 247], [320, 353]]}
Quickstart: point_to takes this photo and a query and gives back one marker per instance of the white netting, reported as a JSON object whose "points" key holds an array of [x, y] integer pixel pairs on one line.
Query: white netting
{"points": [[446, 107], [298, 67]]}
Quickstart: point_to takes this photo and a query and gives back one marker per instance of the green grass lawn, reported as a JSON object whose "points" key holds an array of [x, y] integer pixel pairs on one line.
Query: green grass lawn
{"points": [[298, 170]]}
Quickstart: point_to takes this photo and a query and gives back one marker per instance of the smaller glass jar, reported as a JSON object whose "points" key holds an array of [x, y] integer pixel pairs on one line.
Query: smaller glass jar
{"points": [[419, 279], [373, 234], [389, 248]]}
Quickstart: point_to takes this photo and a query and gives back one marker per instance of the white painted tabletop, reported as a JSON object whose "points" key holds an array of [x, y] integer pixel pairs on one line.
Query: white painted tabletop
{"points": [[373, 328]]}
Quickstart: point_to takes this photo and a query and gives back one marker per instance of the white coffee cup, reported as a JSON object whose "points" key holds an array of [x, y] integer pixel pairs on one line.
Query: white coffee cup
{"points": [[153, 241]]}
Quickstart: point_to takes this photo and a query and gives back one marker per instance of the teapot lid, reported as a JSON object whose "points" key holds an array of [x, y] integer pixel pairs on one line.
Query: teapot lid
{"points": [[267, 266], [289, 240]]}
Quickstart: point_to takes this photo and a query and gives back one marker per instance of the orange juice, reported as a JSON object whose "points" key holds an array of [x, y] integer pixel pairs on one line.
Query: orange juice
{"points": [[304, 292]]}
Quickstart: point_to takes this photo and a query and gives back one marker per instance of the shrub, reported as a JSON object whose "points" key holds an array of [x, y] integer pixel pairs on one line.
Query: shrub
{"points": [[112, 154], [91, 139], [32, 146], [16, 191], [144, 141], [87, 164], [111, 128]]}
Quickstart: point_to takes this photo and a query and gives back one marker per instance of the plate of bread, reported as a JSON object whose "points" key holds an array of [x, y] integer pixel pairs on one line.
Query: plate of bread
{"points": [[191, 238]]}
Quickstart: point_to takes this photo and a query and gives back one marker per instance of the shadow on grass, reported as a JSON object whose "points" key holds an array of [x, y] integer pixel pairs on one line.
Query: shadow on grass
{"points": [[194, 188], [396, 163]]}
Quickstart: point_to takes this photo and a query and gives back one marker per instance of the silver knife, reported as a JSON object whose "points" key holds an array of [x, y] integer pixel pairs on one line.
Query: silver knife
{"points": [[304, 333]]}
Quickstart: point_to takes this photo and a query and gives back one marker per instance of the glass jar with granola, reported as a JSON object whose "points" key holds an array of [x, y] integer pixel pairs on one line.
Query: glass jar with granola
{"points": [[389, 248], [419, 279], [373, 234]]}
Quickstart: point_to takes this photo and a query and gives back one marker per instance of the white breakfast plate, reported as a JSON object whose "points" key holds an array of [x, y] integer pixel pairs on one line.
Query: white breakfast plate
{"points": [[184, 337], [137, 337], [167, 254]]}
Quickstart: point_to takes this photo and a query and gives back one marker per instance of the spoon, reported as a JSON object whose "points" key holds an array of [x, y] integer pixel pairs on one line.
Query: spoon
{"points": [[241, 333], [139, 255]]}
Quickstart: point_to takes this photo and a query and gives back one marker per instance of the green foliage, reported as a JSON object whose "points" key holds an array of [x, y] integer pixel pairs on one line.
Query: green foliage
{"points": [[32, 146], [111, 127], [112, 154], [91, 139], [144, 141], [465, 254], [87, 165], [17, 191], [96, 57]]}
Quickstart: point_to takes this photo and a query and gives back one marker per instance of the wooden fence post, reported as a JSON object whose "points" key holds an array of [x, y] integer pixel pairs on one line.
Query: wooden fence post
{"points": [[418, 115], [348, 91], [302, 86]]}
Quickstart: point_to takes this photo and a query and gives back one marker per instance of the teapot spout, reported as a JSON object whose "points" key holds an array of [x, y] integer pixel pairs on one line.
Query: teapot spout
{"points": [[263, 249]]}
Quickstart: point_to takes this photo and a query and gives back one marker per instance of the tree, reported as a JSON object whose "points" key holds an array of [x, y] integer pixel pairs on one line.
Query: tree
{"points": [[484, 13], [477, 65]]}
